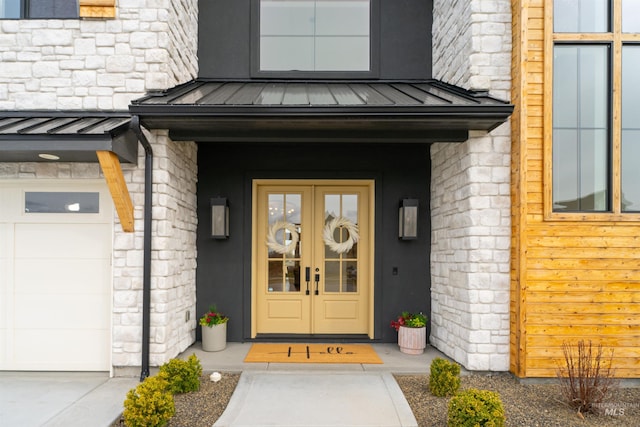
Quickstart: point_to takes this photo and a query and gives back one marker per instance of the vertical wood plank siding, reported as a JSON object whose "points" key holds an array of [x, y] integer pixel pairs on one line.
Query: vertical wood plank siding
{"points": [[570, 280], [518, 197]]}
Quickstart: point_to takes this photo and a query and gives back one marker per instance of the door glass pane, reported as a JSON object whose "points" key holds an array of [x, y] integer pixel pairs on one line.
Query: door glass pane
{"points": [[580, 128], [284, 276], [276, 276], [630, 128], [276, 203], [292, 278], [581, 16], [350, 276], [314, 35], [284, 234], [630, 16], [332, 276], [341, 235], [350, 207], [332, 205]]}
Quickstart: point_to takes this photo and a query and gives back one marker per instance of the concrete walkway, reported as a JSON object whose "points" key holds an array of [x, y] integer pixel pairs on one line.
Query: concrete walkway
{"points": [[315, 398], [280, 394]]}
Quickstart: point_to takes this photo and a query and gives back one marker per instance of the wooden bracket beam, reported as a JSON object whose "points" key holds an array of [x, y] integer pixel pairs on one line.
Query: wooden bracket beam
{"points": [[97, 8], [118, 187]]}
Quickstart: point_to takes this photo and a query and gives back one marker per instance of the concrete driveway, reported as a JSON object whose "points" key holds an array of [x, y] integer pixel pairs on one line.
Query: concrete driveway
{"points": [[69, 399]]}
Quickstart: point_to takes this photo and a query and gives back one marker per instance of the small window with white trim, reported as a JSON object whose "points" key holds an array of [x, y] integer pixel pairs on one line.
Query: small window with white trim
{"points": [[62, 202]]}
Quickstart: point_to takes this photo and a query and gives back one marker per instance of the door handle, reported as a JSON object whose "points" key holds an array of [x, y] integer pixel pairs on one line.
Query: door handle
{"points": [[307, 278], [317, 277]]}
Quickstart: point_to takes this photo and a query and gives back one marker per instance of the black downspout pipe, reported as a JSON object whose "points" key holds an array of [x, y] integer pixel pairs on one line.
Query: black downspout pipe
{"points": [[146, 272]]}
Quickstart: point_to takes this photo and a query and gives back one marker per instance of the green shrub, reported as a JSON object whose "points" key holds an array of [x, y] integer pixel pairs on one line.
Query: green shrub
{"points": [[150, 404], [183, 376], [445, 377], [476, 408]]}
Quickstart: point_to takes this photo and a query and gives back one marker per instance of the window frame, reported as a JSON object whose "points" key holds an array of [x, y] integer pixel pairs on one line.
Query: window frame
{"points": [[374, 51], [25, 13], [616, 39], [86, 9]]}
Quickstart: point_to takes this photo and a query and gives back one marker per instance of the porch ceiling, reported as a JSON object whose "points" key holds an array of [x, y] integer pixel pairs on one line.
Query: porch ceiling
{"points": [[73, 136], [356, 111]]}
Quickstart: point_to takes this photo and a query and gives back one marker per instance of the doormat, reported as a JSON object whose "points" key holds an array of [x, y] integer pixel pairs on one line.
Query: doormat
{"points": [[312, 353]]}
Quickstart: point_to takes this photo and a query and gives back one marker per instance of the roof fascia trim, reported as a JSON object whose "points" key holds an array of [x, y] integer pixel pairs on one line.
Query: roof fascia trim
{"points": [[124, 144], [120, 139]]}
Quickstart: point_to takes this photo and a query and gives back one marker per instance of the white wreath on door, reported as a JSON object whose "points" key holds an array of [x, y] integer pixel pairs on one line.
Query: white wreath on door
{"points": [[282, 248], [330, 228]]}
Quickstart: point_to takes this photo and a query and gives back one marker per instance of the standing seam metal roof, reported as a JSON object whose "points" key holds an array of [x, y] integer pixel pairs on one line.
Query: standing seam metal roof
{"points": [[73, 136], [336, 110], [36, 123], [316, 93]]}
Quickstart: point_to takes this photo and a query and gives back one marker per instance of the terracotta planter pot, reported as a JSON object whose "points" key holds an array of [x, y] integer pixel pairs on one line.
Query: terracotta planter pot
{"points": [[412, 340], [214, 338]]}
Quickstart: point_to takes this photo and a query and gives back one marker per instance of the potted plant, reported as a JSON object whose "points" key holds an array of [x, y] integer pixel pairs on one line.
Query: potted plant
{"points": [[214, 330], [412, 332]]}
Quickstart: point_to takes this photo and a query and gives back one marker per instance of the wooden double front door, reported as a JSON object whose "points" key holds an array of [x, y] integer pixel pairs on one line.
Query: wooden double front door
{"points": [[312, 253]]}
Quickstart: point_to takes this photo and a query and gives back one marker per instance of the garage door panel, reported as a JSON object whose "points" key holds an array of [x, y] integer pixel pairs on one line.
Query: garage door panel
{"points": [[4, 338], [9, 205], [55, 282], [5, 302], [35, 276], [61, 349], [64, 240], [5, 240], [51, 311], [6, 275]]}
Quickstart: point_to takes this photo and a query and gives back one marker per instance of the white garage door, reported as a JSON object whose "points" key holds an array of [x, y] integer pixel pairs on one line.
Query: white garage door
{"points": [[55, 276]]}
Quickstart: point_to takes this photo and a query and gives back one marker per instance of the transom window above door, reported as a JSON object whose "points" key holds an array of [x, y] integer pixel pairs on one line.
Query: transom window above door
{"points": [[313, 36]]}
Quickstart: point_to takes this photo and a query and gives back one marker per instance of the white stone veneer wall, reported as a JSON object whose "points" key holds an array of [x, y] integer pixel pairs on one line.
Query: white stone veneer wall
{"points": [[103, 64], [470, 192], [173, 259]]}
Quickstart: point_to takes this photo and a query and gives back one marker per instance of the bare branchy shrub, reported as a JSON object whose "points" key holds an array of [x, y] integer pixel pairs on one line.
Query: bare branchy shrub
{"points": [[587, 377]]}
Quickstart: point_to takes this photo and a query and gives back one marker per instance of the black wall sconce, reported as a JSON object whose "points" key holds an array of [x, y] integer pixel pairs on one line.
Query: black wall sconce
{"points": [[408, 219], [219, 218]]}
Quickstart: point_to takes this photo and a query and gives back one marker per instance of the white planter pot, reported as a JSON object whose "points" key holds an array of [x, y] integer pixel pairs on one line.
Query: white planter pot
{"points": [[412, 340], [214, 338]]}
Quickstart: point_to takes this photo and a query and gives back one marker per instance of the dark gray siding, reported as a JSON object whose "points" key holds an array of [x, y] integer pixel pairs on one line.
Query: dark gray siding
{"points": [[224, 33], [404, 27], [399, 170]]}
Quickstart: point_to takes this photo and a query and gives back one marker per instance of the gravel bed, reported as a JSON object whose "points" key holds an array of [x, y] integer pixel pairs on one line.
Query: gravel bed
{"points": [[202, 407], [528, 405]]}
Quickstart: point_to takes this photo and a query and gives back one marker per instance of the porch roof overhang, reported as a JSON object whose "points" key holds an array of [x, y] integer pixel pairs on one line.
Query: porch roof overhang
{"points": [[73, 136], [78, 136], [320, 111]]}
